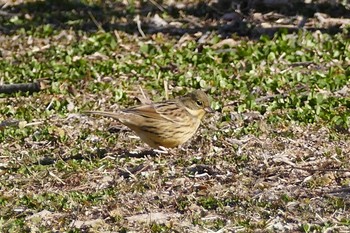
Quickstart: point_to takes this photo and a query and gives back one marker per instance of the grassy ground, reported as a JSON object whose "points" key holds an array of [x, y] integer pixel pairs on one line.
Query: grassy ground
{"points": [[274, 156]]}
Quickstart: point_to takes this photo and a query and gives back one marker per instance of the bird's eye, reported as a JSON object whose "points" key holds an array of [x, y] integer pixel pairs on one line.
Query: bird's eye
{"points": [[199, 103]]}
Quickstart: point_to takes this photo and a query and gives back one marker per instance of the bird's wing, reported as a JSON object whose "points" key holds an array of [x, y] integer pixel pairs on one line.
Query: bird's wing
{"points": [[169, 111]]}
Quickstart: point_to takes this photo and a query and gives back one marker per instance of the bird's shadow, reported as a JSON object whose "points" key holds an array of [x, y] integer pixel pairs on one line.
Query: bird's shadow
{"points": [[142, 154], [100, 154]]}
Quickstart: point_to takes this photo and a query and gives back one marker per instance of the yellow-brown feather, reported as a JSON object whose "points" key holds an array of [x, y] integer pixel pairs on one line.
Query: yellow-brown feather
{"points": [[168, 124]]}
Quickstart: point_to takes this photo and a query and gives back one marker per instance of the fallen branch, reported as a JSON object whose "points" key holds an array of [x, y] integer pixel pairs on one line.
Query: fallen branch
{"points": [[23, 87]]}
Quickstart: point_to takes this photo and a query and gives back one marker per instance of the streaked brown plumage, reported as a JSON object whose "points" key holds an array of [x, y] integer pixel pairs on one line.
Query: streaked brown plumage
{"points": [[168, 123]]}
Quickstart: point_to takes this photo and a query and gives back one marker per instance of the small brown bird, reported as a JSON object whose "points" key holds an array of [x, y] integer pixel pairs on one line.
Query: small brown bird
{"points": [[164, 124]]}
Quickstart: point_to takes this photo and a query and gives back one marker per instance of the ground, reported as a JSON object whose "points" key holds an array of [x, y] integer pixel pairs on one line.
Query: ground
{"points": [[273, 157]]}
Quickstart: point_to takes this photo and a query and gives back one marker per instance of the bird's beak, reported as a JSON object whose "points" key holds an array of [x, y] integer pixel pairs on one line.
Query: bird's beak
{"points": [[209, 110]]}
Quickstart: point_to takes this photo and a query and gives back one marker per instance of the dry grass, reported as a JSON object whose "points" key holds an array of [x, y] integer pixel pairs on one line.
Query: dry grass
{"points": [[274, 157]]}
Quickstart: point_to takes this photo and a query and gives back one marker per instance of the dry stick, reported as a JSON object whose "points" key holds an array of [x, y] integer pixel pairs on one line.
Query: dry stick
{"points": [[98, 25], [144, 99], [24, 87], [303, 63], [269, 98], [157, 5], [321, 170], [138, 23], [165, 83]]}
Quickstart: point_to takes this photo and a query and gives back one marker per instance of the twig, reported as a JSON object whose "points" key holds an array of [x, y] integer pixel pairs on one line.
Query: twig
{"points": [[138, 23], [117, 36], [328, 21], [302, 63], [321, 170], [33, 123], [165, 83], [98, 25], [267, 98], [24, 87], [157, 5], [56, 177], [144, 99]]}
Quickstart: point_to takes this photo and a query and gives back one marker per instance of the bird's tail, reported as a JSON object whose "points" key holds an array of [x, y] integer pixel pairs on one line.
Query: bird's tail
{"points": [[101, 113]]}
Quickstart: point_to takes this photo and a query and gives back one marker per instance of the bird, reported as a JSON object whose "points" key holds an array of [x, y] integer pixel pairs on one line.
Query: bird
{"points": [[165, 124]]}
